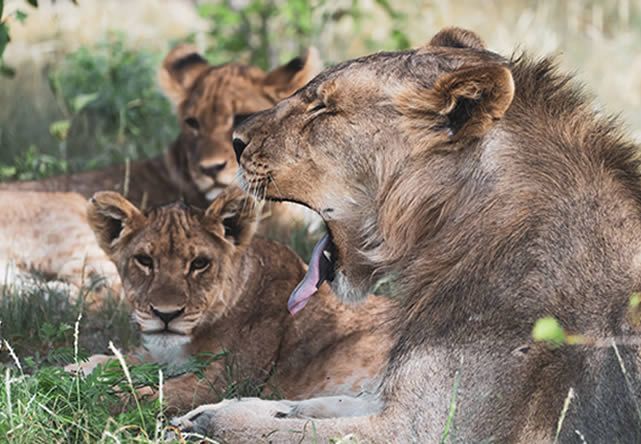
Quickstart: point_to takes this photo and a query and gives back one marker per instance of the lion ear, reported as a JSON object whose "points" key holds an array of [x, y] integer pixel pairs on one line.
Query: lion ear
{"points": [[465, 103], [457, 38], [288, 78], [233, 215], [112, 218], [180, 69]]}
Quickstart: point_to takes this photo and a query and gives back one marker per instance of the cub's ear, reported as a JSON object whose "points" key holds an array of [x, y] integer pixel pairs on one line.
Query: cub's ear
{"points": [[179, 70], [460, 105], [233, 215], [457, 38], [112, 218], [288, 78]]}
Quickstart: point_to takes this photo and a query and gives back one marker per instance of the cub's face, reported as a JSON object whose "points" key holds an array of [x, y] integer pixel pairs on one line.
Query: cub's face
{"points": [[210, 101], [348, 143], [177, 263]]}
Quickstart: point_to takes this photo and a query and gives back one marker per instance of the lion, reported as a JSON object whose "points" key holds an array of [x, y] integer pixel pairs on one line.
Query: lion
{"points": [[60, 245], [494, 194], [200, 281], [209, 101]]}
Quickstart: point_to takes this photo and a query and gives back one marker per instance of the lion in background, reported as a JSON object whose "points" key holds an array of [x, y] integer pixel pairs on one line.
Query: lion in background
{"points": [[496, 195], [199, 281]]}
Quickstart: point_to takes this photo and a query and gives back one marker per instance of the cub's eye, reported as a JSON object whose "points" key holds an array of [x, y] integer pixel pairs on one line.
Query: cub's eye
{"points": [[144, 260], [200, 263], [192, 123], [317, 107], [240, 118]]}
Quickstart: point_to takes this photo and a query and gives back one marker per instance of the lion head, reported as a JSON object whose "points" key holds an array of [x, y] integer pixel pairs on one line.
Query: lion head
{"points": [[341, 144], [211, 100], [176, 262]]}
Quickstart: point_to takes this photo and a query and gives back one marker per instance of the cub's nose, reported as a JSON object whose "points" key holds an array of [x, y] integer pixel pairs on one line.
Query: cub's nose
{"points": [[239, 147], [167, 316]]}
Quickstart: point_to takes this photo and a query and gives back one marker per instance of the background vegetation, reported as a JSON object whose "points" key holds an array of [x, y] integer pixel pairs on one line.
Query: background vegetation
{"points": [[78, 89]]}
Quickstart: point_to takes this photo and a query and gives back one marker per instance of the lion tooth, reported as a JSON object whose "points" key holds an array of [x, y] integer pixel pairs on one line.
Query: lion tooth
{"points": [[328, 255]]}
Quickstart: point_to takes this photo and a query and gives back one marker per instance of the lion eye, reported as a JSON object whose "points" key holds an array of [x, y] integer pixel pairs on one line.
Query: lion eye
{"points": [[200, 263], [192, 123], [144, 260]]}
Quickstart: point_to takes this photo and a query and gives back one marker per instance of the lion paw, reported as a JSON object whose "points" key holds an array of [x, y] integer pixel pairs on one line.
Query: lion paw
{"points": [[227, 415], [86, 367]]}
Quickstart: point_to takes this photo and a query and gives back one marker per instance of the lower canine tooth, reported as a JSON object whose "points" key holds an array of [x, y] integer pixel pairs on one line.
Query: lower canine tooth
{"points": [[328, 255]]}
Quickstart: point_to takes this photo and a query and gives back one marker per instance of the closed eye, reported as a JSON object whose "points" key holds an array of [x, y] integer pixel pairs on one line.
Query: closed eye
{"points": [[317, 107]]}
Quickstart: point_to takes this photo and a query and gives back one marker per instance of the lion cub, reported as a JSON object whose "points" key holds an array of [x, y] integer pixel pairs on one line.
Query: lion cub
{"points": [[199, 281]]}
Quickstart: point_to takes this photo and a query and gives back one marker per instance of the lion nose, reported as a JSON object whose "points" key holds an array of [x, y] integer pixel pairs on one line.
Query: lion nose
{"points": [[167, 316], [239, 147], [213, 170]]}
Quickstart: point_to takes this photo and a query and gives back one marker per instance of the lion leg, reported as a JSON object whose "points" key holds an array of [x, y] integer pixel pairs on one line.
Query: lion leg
{"points": [[252, 419]]}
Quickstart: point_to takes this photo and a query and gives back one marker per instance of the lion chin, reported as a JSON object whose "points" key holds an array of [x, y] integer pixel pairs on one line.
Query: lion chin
{"points": [[167, 348]]}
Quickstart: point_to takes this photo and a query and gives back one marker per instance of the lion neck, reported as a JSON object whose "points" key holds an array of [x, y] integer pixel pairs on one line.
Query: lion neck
{"points": [[176, 170], [486, 251]]}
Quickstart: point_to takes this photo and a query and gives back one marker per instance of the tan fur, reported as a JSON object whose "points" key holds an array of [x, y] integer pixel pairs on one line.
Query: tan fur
{"points": [[48, 233], [237, 302], [494, 195]]}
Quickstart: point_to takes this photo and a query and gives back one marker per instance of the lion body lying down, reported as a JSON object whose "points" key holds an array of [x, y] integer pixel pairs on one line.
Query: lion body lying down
{"points": [[49, 233], [496, 195], [199, 281]]}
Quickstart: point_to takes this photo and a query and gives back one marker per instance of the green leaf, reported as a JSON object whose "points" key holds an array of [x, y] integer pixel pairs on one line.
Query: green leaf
{"points": [[4, 37], [82, 100], [21, 16], [7, 171], [549, 330], [33, 3], [59, 129], [7, 71]]}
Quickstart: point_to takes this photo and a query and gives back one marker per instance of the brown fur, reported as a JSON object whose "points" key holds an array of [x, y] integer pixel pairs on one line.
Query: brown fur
{"points": [[236, 302], [496, 195]]}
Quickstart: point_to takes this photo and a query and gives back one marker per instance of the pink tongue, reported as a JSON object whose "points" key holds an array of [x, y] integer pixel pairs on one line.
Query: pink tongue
{"points": [[313, 279]]}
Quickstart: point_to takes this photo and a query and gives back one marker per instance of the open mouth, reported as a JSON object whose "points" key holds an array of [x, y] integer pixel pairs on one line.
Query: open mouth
{"points": [[322, 265], [321, 268]]}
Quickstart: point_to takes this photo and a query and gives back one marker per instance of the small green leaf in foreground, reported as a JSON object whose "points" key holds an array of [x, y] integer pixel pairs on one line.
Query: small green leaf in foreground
{"points": [[549, 330]]}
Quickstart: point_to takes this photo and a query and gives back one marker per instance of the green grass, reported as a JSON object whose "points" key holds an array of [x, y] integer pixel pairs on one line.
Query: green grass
{"points": [[39, 403], [41, 330]]}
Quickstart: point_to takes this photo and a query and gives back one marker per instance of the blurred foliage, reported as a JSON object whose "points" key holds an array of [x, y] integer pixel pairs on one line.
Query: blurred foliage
{"points": [[109, 94], [5, 70], [112, 110], [266, 32], [32, 164]]}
